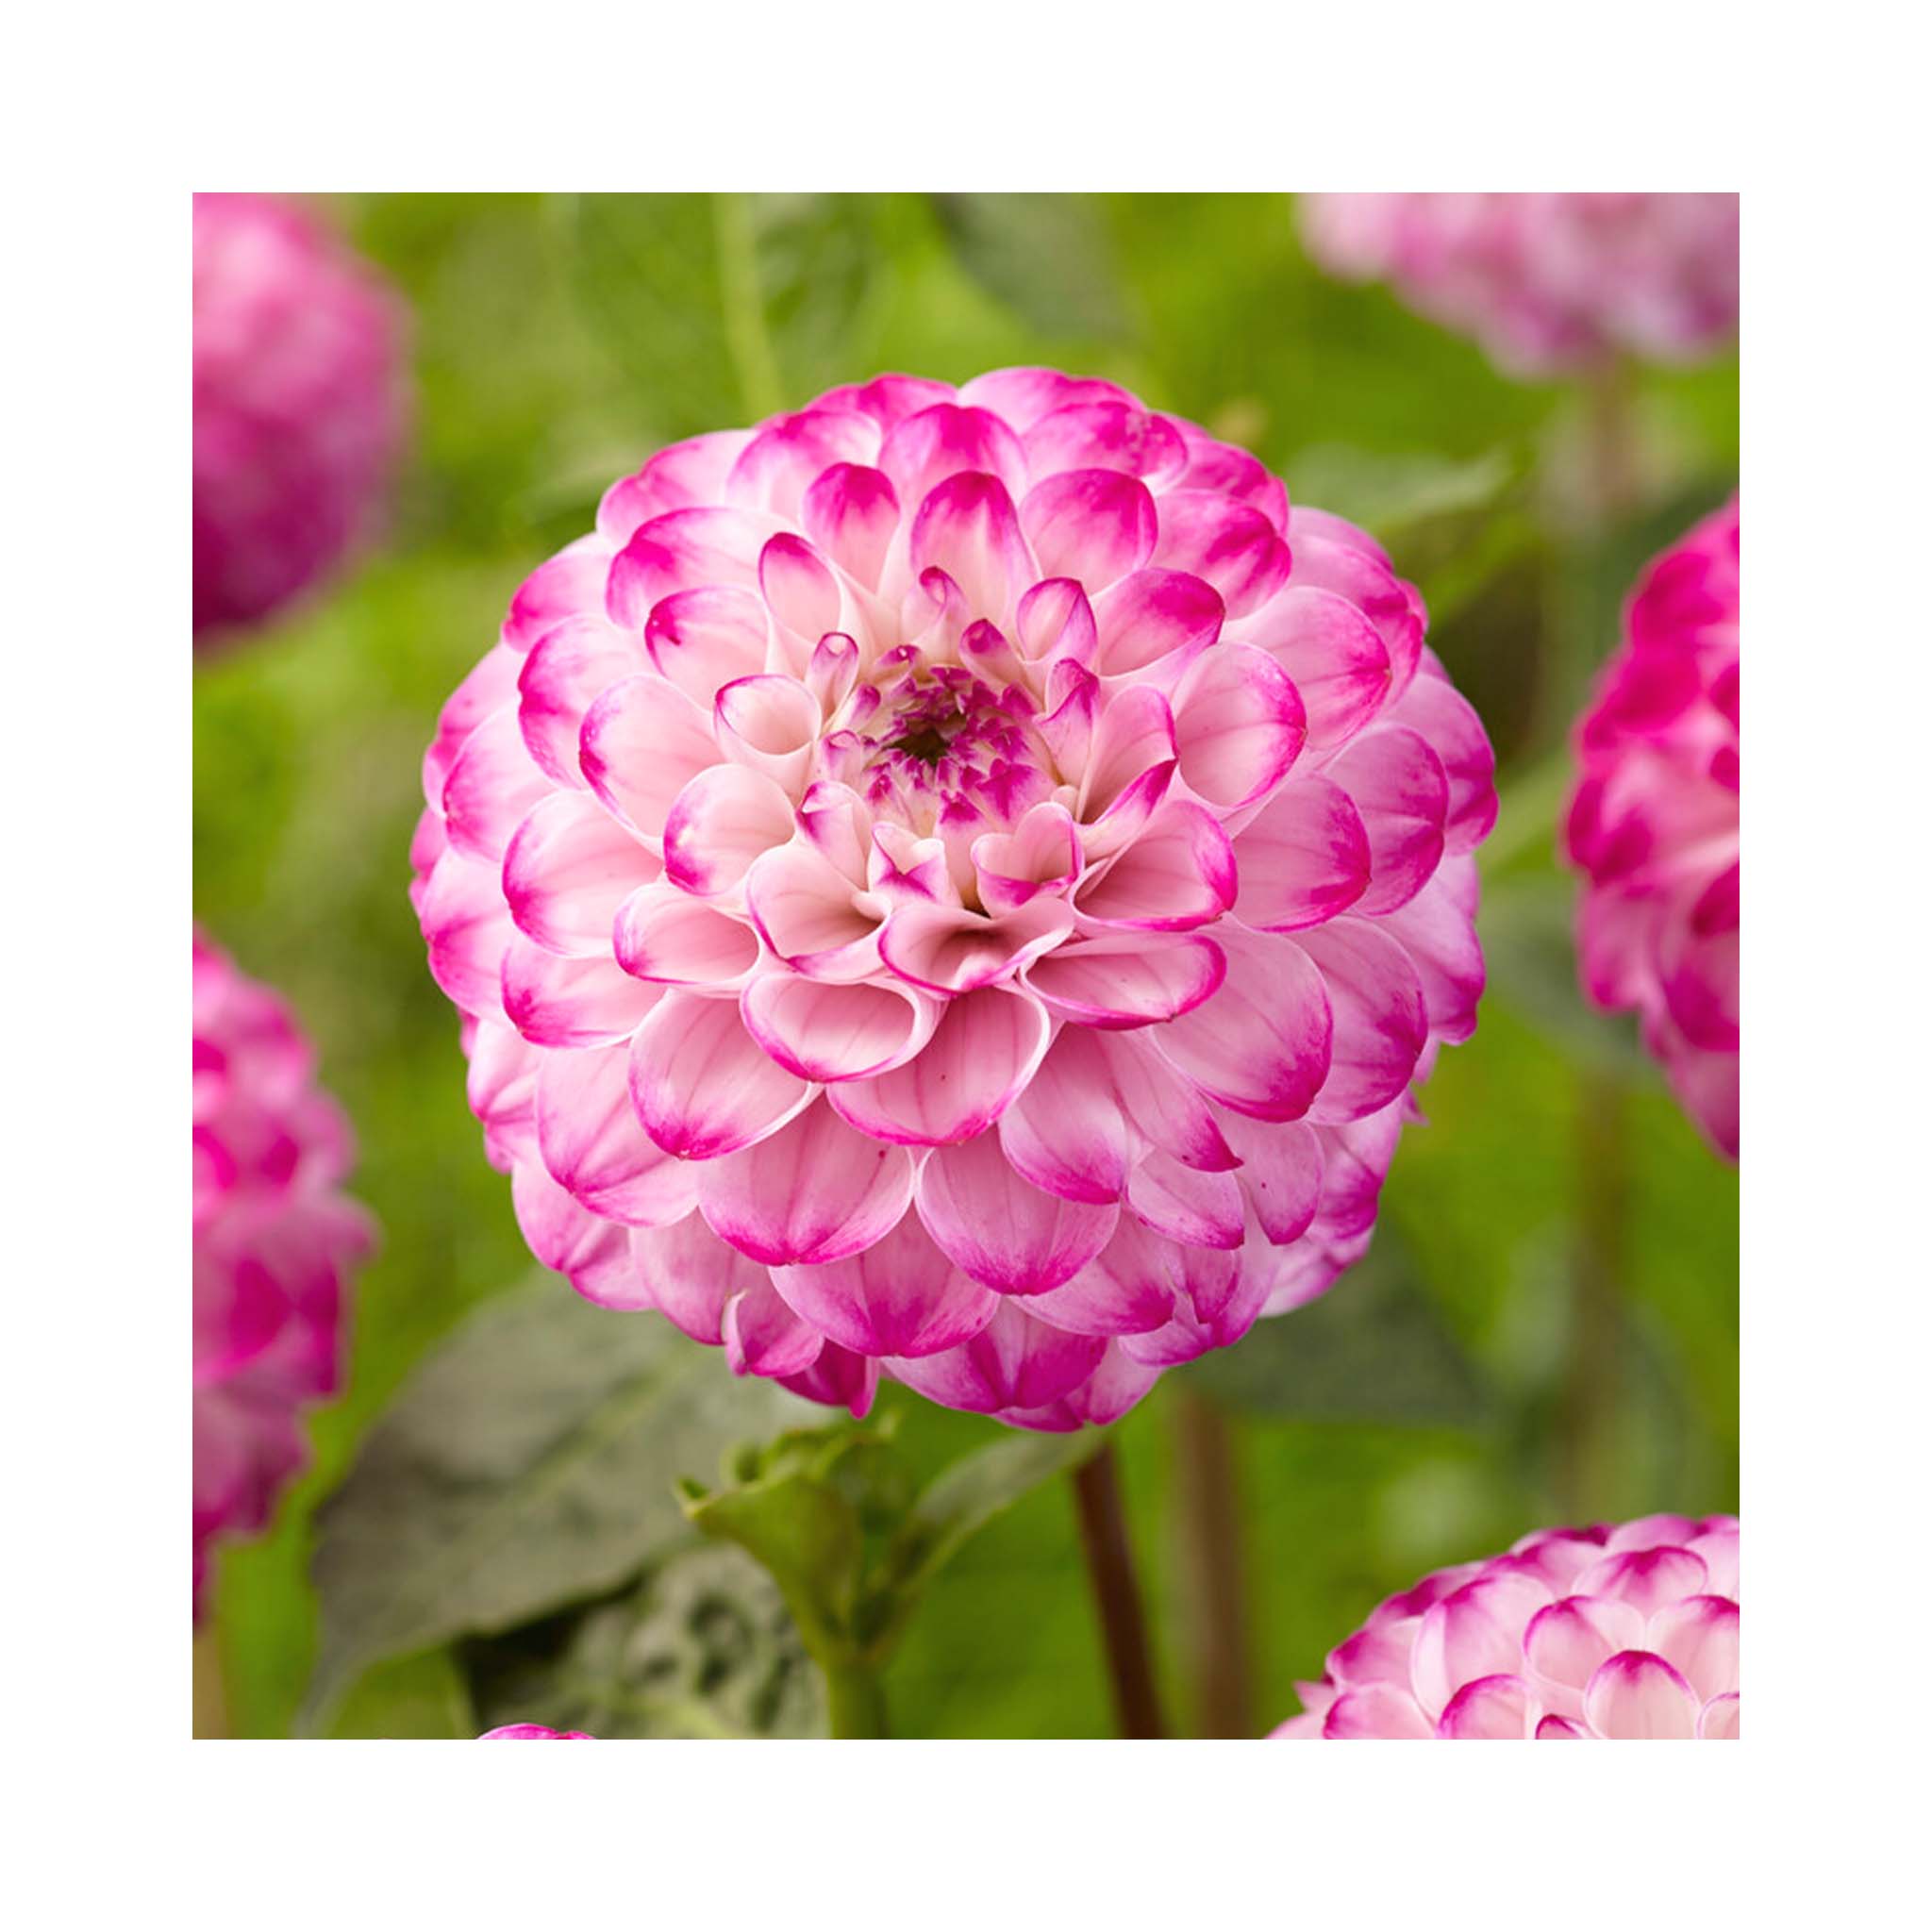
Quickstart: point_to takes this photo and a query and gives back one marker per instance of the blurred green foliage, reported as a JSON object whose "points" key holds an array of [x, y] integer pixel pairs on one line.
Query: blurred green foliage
{"points": [[1465, 1389]]}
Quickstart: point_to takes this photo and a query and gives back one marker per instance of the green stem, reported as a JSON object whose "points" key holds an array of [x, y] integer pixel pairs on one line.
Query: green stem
{"points": [[1212, 1570], [744, 301], [1117, 1597], [857, 1697], [1592, 1384]]}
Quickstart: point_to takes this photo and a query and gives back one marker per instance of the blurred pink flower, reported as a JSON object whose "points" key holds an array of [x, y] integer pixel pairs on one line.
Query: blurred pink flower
{"points": [[275, 1238], [542, 1733], [1654, 823], [1547, 282], [957, 883], [1623, 1632], [299, 404]]}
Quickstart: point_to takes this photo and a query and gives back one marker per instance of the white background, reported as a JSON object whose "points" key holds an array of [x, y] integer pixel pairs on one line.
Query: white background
{"points": [[114, 116]]}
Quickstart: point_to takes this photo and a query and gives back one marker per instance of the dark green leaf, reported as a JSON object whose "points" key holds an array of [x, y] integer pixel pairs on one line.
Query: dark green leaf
{"points": [[1046, 255], [528, 1463], [703, 1647], [1372, 1349]]}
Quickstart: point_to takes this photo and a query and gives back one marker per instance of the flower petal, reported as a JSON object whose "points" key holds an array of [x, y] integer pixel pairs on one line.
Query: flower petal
{"points": [[1380, 1025], [851, 514], [1128, 980], [1179, 873], [1238, 725], [1152, 617], [719, 824], [1493, 1707], [554, 1000], [1093, 525], [814, 1192], [967, 527], [947, 949], [1636, 1695], [1233, 546], [1302, 859], [1015, 1361], [703, 1087], [492, 786], [1001, 1229], [642, 741], [901, 1298], [980, 1055], [685, 1272], [823, 1030], [1698, 1638], [570, 667], [701, 639], [593, 1146], [660, 933], [1333, 653], [569, 867], [1398, 785]]}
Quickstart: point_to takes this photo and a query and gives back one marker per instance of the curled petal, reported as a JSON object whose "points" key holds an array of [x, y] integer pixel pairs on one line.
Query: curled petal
{"points": [[1637, 1694], [1238, 725], [1380, 1025], [799, 590], [1094, 525], [927, 447], [570, 666], [1041, 853], [467, 929], [1201, 1211], [763, 1336], [1015, 1361], [555, 1001], [703, 1087], [1106, 435], [565, 1236], [1365, 579], [491, 785], [719, 824], [1164, 1107], [1333, 653], [770, 724], [1433, 706], [850, 513], [680, 550], [1001, 1229], [593, 1146], [1719, 1718], [1155, 621], [823, 1030], [981, 1054], [1179, 873], [1233, 546], [1065, 1132], [1437, 929], [1127, 1289], [1302, 859], [1121, 981], [1398, 785], [816, 1191], [1262, 1044], [1493, 1707], [808, 910], [701, 639], [662, 934], [900, 1297], [966, 526], [569, 584], [492, 684], [1375, 1711], [1473, 1632], [1566, 1640], [947, 949], [777, 466], [1647, 1579], [642, 741], [839, 1378], [686, 1274], [687, 473], [1055, 624], [1280, 1174], [569, 867]]}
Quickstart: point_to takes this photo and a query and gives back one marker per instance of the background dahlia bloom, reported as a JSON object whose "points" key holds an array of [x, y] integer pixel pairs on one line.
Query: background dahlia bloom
{"points": [[1654, 823], [1624, 1632], [275, 1239], [527, 1733], [299, 404], [1547, 282], [955, 883]]}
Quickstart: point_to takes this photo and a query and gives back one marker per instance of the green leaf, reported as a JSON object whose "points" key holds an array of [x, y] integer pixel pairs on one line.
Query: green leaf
{"points": [[1372, 1349], [724, 308], [1045, 255], [963, 1499], [422, 1696], [703, 1647], [528, 1463]]}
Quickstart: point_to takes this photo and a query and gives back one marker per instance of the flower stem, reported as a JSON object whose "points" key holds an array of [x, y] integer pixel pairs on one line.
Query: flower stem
{"points": [[1593, 1385], [1117, 1597], [857, 1698], [1213, 1571]]}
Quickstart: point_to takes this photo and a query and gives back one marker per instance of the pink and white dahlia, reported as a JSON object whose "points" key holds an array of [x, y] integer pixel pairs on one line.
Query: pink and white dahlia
{"points": [[1623, 1632], [1547, 282], [532, 1733], [274, 1241], [957, 883], [1654, 823], [299, 404]]}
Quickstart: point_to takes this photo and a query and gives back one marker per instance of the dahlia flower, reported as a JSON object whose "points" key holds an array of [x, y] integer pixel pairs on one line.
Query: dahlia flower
{"points": [[1654, 823], [1547, 282], [955, 883], [525, 1733], [299, 404], [275, 1239], [1623, 1632]]}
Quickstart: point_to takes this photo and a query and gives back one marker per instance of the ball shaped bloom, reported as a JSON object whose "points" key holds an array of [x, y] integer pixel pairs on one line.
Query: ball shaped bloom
{"points": [[299, 404], [1654, 823], [528, 1733], [957, 883], [1547, 282], [275, 1241], [1628, 1631]]}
